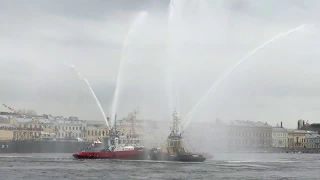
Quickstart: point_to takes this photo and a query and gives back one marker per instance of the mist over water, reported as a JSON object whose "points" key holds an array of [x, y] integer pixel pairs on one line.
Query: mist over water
{"points": [[207, 95], [137, 54]]}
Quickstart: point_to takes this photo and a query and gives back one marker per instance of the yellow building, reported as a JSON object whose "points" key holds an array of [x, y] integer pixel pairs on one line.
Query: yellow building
{"points": [[297, 139], [30, 129], [6, 135], [7, 127], [95, 130]]}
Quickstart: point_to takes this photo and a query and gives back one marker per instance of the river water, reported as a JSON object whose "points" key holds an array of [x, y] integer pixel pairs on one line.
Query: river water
{"points": [[223, 166]]}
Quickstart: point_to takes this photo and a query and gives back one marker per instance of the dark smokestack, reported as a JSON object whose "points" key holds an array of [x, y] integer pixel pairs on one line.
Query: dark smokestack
{"points": [[281, 124]]}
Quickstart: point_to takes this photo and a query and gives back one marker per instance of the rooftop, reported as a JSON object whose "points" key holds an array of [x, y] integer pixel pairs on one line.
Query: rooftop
{"points": [[29, 120], [249, 123], [279, 129], [312, 135]]}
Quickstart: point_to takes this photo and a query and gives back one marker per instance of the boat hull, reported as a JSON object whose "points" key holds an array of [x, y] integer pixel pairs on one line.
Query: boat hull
{"points": [[141, 154], [205, 154], [163, 156]]}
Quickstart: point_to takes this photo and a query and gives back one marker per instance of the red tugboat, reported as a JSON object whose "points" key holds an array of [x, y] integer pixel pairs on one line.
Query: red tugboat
{"points": [[117, 146]]}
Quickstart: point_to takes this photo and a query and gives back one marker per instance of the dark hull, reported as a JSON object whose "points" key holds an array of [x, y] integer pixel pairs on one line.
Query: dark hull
{"points": [[205, 154], [126, 155], [163, 156], [42, 147]]}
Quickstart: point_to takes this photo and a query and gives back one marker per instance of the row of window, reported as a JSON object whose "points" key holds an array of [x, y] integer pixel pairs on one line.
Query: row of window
{"points": [[95, 132], [239, 141], [313, 140], [279, 134], [71, 128], [70, 135], [297, 140], [30, 126], [250, 134], [313, 146]]}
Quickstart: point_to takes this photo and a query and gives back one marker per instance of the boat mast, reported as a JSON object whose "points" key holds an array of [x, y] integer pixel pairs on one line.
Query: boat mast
{"points": [[175, 123], [115, 124], [133, 120]]}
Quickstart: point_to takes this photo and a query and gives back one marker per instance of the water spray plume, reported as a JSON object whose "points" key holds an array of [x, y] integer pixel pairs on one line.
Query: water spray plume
{"points": [[178, 102], [205, 96], [174, 12], [140, 19], [92, 92]]}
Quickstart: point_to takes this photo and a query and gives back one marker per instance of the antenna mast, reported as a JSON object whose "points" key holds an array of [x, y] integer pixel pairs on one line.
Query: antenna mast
{"points": [[175, 123]]}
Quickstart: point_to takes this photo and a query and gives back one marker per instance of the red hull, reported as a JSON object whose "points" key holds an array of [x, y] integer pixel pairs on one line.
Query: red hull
{"points": [[140, 154]]}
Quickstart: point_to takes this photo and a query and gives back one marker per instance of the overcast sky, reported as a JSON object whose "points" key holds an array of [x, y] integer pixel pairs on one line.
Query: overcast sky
{"points": [[204, 39]]}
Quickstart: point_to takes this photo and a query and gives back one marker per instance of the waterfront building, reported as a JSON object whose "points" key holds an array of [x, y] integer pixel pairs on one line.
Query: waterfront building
{"points": [[313, 140], [7, 125], [297, 139], [279, 137], [96, 129], [248, 135], [31, 128], [70, 128]]}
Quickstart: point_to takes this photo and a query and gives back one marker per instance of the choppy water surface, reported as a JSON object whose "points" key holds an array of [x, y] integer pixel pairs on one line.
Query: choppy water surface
{"points": [[224, 166]]}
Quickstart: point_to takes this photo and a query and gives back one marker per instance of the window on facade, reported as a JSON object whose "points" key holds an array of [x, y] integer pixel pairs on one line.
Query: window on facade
{"points": [[88, 133], [69, 128], [76, 128], [72, 128]]}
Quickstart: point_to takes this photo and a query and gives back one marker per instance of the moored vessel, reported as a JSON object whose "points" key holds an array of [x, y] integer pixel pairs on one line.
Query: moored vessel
{"points": [[174, 150], [58, 145]]}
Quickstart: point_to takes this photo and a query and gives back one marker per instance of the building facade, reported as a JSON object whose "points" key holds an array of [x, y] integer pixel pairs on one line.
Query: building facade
{"points": [[279, 137], [249, 135], [96, 129], [297, 139], [313, 140], [70, 129]]}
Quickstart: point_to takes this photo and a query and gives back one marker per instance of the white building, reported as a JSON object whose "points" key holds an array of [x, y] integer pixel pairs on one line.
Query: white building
{"points": [[279, 137], [70, 129], [313, 140]]}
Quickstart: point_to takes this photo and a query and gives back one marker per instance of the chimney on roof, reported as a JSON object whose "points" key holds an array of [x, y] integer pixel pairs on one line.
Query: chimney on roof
{"points": [[281, 124]]}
